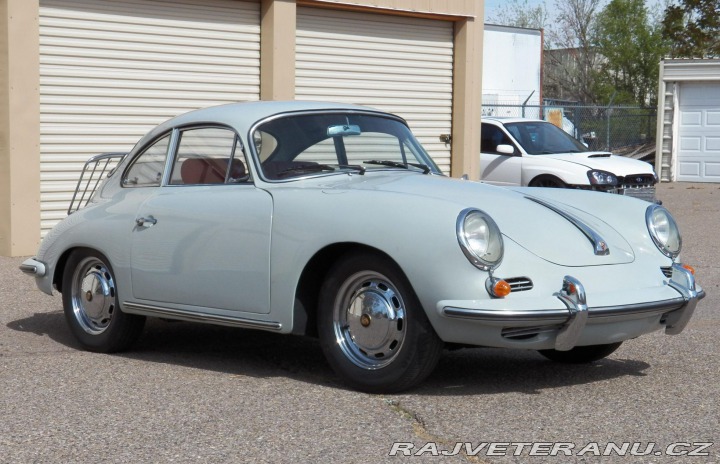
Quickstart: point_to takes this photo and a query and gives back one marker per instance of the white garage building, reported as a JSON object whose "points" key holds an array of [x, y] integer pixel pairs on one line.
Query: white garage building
{"points": [[689, 120]]}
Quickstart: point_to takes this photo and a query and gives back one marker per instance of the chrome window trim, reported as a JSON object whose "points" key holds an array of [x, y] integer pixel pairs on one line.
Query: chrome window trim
{"points": [[172, 153], [256, 156], [138, 154], [174, 146]]}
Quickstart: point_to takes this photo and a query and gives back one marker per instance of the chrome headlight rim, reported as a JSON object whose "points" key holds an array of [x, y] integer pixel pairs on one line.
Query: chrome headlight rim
{"points": [[652, 229], [494, 230]]}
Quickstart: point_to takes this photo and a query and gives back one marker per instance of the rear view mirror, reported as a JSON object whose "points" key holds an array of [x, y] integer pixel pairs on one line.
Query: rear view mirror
{"points": [[344, 129], [504, 149]]}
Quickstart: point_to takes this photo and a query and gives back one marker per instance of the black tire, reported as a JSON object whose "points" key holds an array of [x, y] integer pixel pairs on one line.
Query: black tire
{"points": [[387, 344], [90, 303], [547, 182], [581, 354]]}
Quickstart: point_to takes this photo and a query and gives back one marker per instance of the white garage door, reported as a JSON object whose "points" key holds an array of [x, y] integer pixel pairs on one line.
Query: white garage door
{"points": [[698, 147], [393, 63], [111, 70]]}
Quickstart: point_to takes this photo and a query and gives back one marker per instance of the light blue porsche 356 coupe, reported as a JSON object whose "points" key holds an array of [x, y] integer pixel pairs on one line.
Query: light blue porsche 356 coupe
{"points": [[331, 220]]}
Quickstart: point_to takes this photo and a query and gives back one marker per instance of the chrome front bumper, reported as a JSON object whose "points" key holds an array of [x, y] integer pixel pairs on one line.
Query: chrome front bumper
{"points": [[572, 321], [33, 267]]}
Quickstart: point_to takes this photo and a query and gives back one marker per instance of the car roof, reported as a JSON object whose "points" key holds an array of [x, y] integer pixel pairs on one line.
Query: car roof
{"points": [[504, 120], [243, 115]]}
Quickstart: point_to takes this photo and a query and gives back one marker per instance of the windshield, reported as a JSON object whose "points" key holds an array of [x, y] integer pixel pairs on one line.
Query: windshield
{"points": [[307, 144], [543, 138]]}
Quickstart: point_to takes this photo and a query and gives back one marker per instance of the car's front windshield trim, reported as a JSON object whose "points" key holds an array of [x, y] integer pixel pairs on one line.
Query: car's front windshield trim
{"points": [[343, 168]]}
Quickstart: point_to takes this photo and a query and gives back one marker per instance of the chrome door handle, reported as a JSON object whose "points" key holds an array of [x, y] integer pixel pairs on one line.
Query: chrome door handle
{"points": [[145, 222]]}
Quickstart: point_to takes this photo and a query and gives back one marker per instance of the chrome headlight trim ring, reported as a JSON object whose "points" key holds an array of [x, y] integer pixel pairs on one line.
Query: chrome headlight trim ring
{"points": [[663, 245], [493, 235]]}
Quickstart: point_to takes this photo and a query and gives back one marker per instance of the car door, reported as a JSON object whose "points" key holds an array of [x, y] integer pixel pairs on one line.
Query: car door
{"points": [[203, 239], [495, 167]]}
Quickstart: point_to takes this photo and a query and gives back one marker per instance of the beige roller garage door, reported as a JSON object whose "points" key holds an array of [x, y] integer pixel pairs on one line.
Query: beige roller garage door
{"points": [[111, 70], [398, 64]]}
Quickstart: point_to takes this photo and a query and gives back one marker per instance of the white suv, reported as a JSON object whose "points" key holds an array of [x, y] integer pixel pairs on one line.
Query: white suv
{"points": [[527, 152]]}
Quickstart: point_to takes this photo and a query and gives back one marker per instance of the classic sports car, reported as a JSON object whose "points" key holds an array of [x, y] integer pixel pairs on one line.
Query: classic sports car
{"points": [[528, 152], [331, 220]]}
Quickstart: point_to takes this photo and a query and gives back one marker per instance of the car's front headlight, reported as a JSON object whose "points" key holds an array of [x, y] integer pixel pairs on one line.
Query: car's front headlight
{"points": [[663, 230], [598, 177], [480, 238]]}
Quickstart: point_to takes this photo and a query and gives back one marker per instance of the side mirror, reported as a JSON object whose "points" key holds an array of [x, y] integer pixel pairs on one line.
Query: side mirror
{"points": [[504, 149]]}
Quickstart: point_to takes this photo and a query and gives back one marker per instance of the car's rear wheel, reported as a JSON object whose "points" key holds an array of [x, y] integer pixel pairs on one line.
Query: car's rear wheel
{"points": [[372, 328], [90, 302], [547, 181], [581, 354]]}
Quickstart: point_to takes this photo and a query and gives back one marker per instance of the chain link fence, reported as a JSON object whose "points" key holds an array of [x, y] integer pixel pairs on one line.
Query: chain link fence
{"points": [[623, 130]]}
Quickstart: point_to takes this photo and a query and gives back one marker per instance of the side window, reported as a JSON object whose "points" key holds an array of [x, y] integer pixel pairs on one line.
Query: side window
{"points": [[209, 155], [492, 136], [147, 169]]}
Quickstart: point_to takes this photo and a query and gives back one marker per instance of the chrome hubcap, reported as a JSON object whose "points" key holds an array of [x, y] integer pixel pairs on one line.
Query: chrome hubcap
{"points": [[93, 295], [369, 320]]}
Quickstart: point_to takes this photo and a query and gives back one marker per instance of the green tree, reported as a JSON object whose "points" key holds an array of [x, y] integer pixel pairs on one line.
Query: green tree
{"points": [[692, 28], [630, 48], [570, 71]]}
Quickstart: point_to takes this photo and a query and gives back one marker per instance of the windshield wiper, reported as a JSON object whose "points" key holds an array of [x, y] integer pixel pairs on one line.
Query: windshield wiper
{"points": [[354, 167], [305, 168], [396, 164]]}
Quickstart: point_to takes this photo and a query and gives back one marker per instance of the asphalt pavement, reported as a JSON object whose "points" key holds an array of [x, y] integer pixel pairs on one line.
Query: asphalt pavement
{"points": [[198, 393]]}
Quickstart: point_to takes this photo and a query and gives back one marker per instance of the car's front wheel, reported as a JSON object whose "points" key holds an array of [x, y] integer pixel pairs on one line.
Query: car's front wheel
{"points": [[547, 182], [581, 354], [372, 328], [90, 302]]}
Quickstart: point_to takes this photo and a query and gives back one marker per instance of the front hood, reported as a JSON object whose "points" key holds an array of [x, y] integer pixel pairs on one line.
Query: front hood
{"points": [[618, 165], [542, 229]]}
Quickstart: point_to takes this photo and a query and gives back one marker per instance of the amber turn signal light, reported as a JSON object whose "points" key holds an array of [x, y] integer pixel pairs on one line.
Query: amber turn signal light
{"points": [[570, 289], [501, 289], [689, 268]]}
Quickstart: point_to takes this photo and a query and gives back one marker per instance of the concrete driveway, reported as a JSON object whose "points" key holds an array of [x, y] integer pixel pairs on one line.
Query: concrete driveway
{"points": [[197, 393]]}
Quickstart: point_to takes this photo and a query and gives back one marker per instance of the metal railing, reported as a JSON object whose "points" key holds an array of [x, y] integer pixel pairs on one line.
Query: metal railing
{"points": [[95, 168], [623, 130]]}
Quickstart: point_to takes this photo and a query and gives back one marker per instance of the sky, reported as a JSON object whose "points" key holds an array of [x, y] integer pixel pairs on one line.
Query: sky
{"points": [[491, 6]]}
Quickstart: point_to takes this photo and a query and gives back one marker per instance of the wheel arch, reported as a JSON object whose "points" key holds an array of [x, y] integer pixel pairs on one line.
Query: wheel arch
{"points": [[549, 177], [59, 272], [311, 279]]}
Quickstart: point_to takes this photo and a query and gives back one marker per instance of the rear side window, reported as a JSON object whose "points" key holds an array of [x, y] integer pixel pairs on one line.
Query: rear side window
{"points": [[147, 169]]}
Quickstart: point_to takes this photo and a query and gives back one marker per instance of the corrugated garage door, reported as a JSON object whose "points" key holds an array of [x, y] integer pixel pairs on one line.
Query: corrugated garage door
{"points": [[698, 148], [397, 64], [111, 70]]}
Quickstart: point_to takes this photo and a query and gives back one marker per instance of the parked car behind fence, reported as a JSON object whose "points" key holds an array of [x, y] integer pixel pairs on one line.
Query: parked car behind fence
{"points": [[624, 130]]}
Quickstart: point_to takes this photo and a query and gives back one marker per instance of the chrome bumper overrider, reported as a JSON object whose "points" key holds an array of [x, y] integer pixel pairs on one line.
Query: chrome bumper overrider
{"points": [[33, 267], [683, 281], [572, 320]]}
